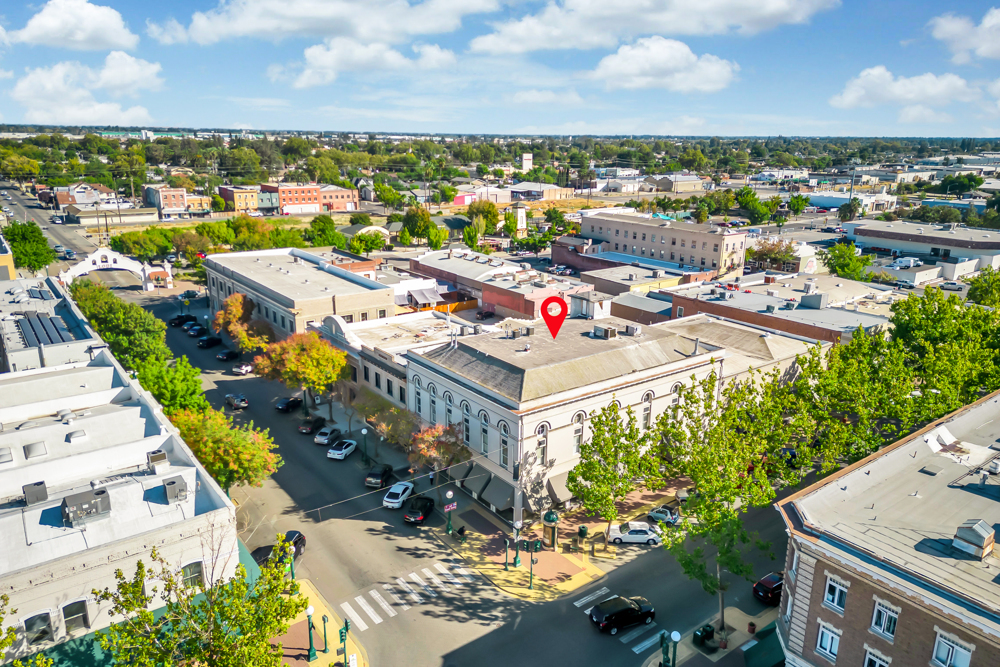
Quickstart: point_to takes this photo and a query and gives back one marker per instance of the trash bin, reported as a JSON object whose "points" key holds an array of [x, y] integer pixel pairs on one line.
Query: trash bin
{"points": [[582, 533], [703, 634]]}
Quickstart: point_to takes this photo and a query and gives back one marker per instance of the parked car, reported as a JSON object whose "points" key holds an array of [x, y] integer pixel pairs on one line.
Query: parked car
{"points": [[209, 341], [243, 368], [418, 509], [665, 514], [261, 555], [197, 331], [768, 588], [952, 285], [201, 255], [485, 315], [237, 401], [189, 294], [171, 258], [59, 249], [634, 532], [227, 355], [341, 449], [193, 322], [311, 425], [618, 613], [69, 253], [397, 495], [288, 404], [326, 435], [178, 320], [379, 476]]}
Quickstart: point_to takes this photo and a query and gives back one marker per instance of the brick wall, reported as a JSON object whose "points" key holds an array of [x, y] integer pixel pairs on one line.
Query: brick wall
{"points": [[695, 306], [637, 315]]}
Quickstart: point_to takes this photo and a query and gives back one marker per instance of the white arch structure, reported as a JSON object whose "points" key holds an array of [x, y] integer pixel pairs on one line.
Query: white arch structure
{"points": [[105, 258]]}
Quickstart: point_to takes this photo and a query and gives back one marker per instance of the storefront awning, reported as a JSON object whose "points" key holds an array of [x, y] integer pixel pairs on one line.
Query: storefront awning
{"points": [[401, 299], [767, 651], [426, 296], [458, 471], [477, 479], [500, 494], [557, 487]]}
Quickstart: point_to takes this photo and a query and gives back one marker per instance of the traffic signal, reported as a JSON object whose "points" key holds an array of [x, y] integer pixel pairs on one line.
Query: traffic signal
{"points": [[347, 624], [538, 545], [343, 635], [524, 545]]}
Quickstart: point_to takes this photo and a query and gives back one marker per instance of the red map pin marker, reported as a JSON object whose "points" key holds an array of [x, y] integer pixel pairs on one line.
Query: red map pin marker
{"points": [[553, 322]]}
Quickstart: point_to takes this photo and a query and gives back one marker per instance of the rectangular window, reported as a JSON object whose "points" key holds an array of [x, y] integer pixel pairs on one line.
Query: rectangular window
{"points": [[485, 431], [348, 318], [402, 395], [683, 243], [616, 232], [634, 235], [365, 369], [381, 313], [38, 629], [433, 411], [364, 316], [714, 263], [541, 448], [828, 642], [872, 660], [591, 229], [388, 386], [652, 238], [949, 654], [417, 403], [836, 595], [447, 415], [466, 429], [616, 246], [643, 237], [193, 575], [715, 247], [504, 451], [673, 241], [884, 620], [282, 321], [633, 250], [680, 312], [703, 261], [75, 616], [642, 251], [378, 380], [671, 255]]}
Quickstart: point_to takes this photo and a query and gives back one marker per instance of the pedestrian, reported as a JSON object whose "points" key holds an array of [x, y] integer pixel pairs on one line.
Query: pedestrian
{"points": [[431, 478]]}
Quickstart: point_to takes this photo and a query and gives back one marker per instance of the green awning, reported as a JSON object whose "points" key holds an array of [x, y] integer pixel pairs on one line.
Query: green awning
{"points": [[767, 651]]}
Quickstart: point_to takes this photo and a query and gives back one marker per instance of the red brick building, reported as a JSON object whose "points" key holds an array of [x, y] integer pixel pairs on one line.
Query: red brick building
{"points": [[295, 198], [336, 198]]}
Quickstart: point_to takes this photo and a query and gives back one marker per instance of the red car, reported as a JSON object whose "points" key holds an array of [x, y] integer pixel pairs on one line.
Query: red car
{"points": [[202, 255]]}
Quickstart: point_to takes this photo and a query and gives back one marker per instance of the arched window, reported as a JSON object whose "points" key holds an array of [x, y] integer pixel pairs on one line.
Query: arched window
{"points": [[647, 410], [542, 444], [417, 398], [675, 394], [466, 423], [416, 382], [431, 388], [578, 431], [504, 444], [484, 431]]}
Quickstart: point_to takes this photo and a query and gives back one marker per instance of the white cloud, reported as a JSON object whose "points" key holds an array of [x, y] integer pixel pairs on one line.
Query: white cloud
{"points": [[323, 62], [587, 24], [364, 20], [655, 62], [964, 38], [918, 113], [63, 94], [877, 85], [77, 25], [542, 97], [6, 74]]}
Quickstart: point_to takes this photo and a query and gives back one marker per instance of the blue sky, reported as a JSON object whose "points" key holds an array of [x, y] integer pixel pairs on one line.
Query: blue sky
{"points": [[727, 67]]}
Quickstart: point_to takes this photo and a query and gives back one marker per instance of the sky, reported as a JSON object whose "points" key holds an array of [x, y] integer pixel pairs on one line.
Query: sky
{"points": [[568, 67]]}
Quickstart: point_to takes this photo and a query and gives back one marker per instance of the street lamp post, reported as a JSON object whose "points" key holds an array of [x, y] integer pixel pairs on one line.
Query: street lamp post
{"points": [[517, 545], [449, 495], [364, 449], [326, 644], [312, 647], [668, 646]]}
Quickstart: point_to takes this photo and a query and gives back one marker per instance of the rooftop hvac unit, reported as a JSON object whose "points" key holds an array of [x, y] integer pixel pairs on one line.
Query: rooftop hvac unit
{"points": [[790, 305], [466, 330], [176, 489], [156, 457], [631, 276], [633, 330], [605, 332], [713, 291], [657, 274], [80, 508], [516, 333], [771, 292], [529, 331], [478, 329], [771, 308], [730, 296], [35, 493]]}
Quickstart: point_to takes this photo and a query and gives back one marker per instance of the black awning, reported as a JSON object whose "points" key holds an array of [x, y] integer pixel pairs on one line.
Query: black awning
{"points": [[557, 487], [477, 479], [458, 471], [500, 494]]}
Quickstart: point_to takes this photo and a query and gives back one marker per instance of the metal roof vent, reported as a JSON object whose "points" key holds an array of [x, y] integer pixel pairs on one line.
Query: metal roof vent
{"points": [[27, 424], [974, 537], [34, 450], [76, 436]]}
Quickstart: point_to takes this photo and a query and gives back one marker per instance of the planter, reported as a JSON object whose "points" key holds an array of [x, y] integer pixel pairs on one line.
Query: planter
{"points": [[752, 627], [723, 644]]}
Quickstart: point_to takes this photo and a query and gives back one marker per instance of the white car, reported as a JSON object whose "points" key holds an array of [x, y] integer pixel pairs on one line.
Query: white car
{"points": [[634, 532], [952, 285], [397, 495], [243, 368], [341, 449]]}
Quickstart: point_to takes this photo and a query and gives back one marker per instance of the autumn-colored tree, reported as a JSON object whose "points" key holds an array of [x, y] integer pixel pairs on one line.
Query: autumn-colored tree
{"points": [[302, 361], [233, 455], [393, 424], [438, 447], [236, 319]]}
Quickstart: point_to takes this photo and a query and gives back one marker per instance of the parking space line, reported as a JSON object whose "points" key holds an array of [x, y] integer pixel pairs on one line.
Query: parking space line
{"points": [[382, 603], [355, 618], [395, 598], [406, 587], [363, 603], [641, 630]]}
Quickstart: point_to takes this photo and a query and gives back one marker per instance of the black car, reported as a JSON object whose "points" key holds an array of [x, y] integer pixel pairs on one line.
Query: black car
{"points": [[179, 320], [197, 331], [485, 315], [288, 404], [379, 476], [227, 355], [311, 425], [418, 509], [618, 613], [768, 589], [209, 341], [261, 555]]}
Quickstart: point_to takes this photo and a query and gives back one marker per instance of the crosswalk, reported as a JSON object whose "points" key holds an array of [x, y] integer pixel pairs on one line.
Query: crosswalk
{"points": [[597, 597], [388, 600]]}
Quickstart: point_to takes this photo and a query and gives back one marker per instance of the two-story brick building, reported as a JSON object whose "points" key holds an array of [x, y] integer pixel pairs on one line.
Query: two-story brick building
{"points": [[890, 561], [336, 198], [295, 198]]}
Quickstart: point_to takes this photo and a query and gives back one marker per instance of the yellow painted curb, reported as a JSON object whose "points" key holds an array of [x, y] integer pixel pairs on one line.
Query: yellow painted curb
{"points": [[307, 589]]}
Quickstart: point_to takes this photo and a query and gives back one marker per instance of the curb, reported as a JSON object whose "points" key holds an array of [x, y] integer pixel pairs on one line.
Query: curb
{"points": [[309, 590]]}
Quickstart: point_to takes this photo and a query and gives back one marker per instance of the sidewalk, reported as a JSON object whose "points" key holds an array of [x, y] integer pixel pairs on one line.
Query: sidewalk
{"points": [[710, 655], [295, 643]]}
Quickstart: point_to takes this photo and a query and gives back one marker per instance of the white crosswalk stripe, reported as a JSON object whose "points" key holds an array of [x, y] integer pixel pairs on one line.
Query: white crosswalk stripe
{"points": [[409, 589], [382, 603], [587, 610], [461, 570], [395, 598], [358, 624], [363, 603], [452, 579], [437, 582], [592, 596], [640, 648], [633, 634], [427, 589]]}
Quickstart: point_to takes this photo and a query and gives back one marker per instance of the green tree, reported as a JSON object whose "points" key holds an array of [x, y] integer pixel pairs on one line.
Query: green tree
{"points": [[850, 210], [797, 204], [487, 210], [134, 335], [984, 289], [389, 196], [28, 245], [218, 203], [323, 232], [176, 385], [219, 232], [436, 237], [438, 447], [224, 622], [615, 454], [417, 222], [360, 219], [404, 238], [303, 361], [236, 319], [841, 260], [757, 213], [284, 237], [701, 215], [234, 455], [470, 238]]}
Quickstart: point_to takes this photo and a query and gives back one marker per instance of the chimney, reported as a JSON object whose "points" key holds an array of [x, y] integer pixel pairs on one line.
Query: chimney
{"points": [[697, 345], [974, 537]]}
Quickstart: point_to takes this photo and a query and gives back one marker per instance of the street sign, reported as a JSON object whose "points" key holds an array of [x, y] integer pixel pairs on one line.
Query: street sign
{"points": [[186, 302], [451, 507]]}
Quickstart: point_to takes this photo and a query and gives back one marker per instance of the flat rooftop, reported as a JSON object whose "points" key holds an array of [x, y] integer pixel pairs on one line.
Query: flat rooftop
{"points": [[929, 233], [465, 264], [572, 361], [654, 221], [903, 505], [623, 274], [296, 275]]}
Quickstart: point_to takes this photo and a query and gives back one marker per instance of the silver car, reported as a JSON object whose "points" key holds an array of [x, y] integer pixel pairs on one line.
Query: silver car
{"points": [[952, 285]]}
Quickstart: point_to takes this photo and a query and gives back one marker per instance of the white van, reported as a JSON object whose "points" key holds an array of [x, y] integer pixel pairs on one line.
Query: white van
{"points": [[906, 263]]}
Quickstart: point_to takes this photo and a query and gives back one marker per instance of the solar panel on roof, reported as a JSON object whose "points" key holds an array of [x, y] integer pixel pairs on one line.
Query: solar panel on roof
{"points": [[47, 295]]}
